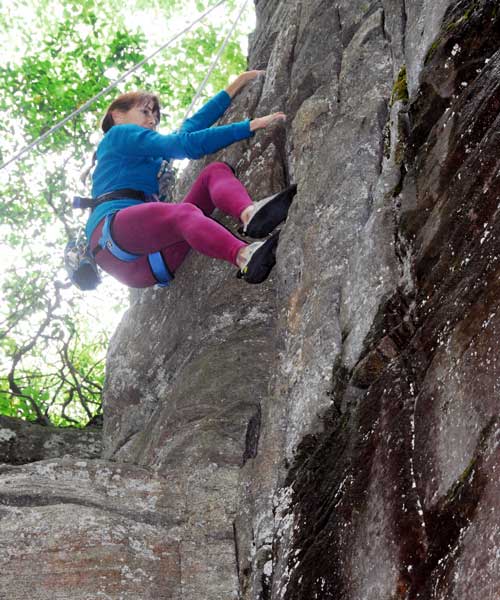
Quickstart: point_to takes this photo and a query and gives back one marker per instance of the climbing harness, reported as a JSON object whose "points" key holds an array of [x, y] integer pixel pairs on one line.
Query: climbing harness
{"points": [[156, 261], [79, 259]]}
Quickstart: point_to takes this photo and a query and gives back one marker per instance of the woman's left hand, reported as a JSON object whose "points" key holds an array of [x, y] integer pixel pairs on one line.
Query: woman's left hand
{"points": [[234, 87]]}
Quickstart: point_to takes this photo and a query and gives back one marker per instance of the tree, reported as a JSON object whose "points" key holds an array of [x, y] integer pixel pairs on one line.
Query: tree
{"points": [[52, 337]]}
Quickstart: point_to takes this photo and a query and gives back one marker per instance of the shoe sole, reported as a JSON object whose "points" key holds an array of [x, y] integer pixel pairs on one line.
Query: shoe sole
{"points": [[270, 215], [262, 262]]}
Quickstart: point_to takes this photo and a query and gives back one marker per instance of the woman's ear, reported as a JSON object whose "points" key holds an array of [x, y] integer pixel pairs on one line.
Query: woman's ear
{"points": [[117, 116]]}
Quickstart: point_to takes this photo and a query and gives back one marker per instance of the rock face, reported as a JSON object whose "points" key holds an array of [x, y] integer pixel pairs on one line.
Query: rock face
{"points": [[335, 432], [22, 442]]}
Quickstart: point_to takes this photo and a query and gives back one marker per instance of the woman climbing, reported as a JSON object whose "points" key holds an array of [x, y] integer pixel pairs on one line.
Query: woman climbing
{"points": [[127, 230]]}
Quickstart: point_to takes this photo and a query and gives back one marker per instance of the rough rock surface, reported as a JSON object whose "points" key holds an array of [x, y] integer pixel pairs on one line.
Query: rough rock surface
{"points": [[23, 442], [334, 433]]}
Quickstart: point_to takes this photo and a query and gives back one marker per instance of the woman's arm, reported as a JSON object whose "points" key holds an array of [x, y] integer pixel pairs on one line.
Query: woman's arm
{"points": [[213, 110], [136, 141], [139, 142], [210, 112]]}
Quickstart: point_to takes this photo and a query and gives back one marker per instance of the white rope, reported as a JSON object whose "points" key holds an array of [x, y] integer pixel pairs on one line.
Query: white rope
{"points": [[109, 88], [170, 172], [214, 63]]}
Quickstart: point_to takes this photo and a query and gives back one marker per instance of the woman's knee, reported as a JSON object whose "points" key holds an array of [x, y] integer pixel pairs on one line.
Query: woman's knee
{"points": [[219, 167], [187, 211]]}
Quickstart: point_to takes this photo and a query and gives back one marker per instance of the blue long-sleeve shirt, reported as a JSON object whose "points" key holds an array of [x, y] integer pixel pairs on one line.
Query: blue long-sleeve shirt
{"points": [[130, 156]]}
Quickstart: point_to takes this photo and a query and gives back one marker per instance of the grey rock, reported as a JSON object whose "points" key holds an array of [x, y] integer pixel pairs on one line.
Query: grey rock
{"points": [[424, 20], [23, 442]]}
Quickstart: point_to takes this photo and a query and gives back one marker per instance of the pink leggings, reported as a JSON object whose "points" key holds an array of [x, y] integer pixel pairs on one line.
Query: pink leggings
{"points": [[173, 229]]}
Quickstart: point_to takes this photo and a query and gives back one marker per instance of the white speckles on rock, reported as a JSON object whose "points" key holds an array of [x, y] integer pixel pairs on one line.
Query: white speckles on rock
{"points": [[6, 435]]}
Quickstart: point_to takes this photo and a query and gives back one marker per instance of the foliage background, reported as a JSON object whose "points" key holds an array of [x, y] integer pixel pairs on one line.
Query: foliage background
{"points": [[58, 54]]}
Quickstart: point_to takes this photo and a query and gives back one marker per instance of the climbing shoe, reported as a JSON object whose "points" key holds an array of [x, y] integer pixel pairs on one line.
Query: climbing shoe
{"points": [[269, 213], [261, 259]]}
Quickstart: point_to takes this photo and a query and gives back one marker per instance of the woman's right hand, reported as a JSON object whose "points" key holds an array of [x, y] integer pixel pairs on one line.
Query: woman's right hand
{"points": [[263, 122]]}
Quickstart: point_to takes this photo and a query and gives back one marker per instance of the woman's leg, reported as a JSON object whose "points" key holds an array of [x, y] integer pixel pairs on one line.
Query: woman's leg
{"points": [[156, 226], [170, 228], [218, 187]]}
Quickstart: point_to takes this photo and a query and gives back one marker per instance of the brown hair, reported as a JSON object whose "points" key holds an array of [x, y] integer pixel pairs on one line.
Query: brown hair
{"points": [[127, 101]]}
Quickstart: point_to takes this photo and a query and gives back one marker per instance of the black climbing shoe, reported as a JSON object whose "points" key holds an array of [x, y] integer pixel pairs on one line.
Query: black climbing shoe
{"points": [[261, 259], [269, 213]]}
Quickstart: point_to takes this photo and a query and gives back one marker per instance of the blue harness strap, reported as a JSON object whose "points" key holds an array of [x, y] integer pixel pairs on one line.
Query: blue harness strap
{"points": [[156, 261], [108, 242], [159, 269]]}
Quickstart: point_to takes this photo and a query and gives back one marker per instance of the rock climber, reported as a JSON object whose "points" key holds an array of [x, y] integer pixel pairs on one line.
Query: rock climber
{"points": [[125, 181]]}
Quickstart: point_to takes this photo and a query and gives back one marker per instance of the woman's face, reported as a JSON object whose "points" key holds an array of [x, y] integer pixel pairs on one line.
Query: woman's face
{"points": [[141, 114]]}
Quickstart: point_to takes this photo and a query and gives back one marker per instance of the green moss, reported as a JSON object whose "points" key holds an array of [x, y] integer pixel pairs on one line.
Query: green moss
{"points": [[464, 18], [432, 50], [400, 89], [468, 471], [344, 422], [469, 11], [450, 27], [461, 481]]}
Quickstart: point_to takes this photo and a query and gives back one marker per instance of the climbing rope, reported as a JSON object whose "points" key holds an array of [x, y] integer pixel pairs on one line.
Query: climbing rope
{"points": [[215, 61], [109, 88]]}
